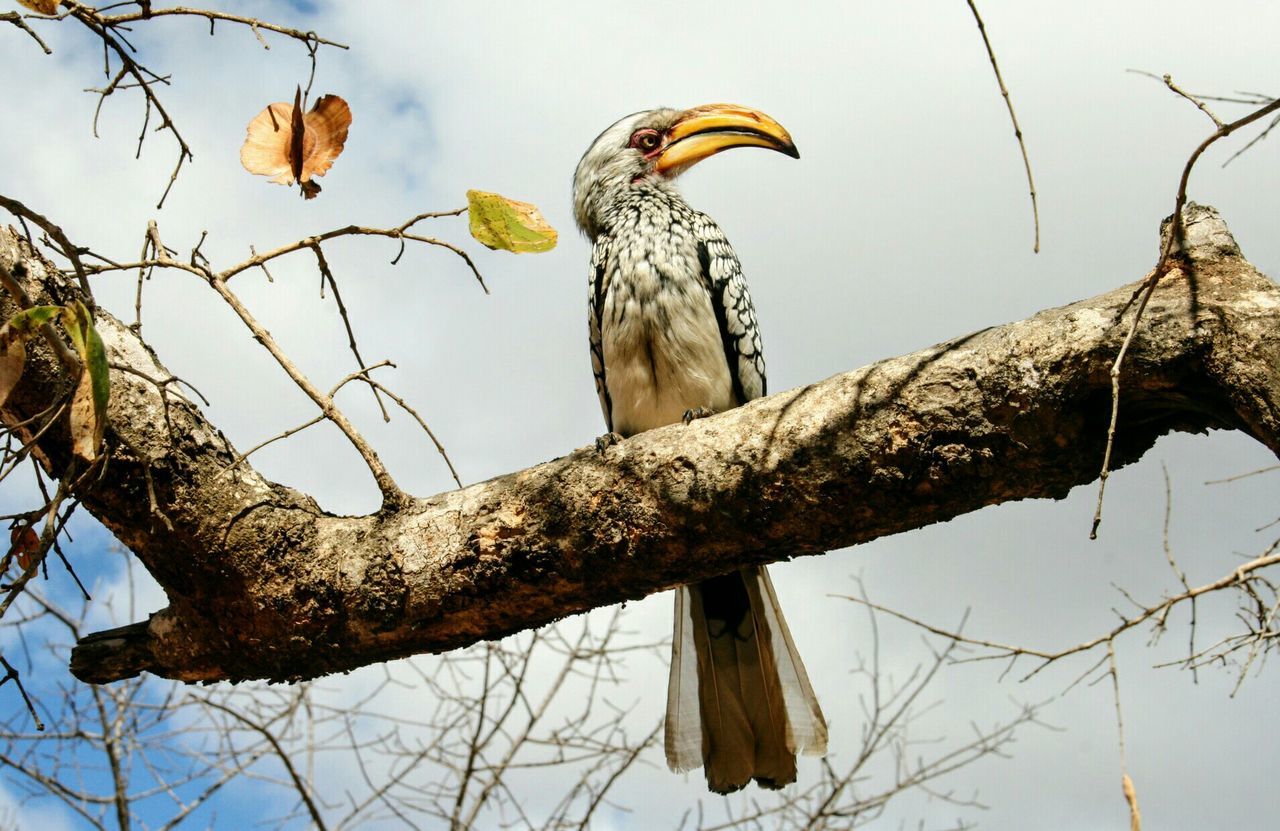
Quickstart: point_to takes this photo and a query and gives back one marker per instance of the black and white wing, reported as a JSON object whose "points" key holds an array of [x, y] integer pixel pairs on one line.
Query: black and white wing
{"points": [[722, 275], [597, 289]]}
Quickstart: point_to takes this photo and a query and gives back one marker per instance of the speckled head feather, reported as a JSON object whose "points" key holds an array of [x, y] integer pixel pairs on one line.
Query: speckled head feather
{"points": [[611, 164], [652, 147]]}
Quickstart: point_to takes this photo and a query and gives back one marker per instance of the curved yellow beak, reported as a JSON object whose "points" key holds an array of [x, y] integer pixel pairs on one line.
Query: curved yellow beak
{"points": [[706, 130]]}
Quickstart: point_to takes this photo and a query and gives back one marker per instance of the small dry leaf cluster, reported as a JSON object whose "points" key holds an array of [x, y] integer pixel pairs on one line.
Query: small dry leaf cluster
{"points": [[289, 146]]}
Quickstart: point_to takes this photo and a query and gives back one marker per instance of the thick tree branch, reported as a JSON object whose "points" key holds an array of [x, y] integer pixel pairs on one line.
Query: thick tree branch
{"points": [[263, 584]]}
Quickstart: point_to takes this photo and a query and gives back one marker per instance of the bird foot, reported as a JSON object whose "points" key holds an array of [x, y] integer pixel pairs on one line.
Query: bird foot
{"points": [[606, 441], [691, 416]]}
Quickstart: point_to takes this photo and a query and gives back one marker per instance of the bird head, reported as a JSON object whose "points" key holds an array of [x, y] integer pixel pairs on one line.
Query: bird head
{"points": [[655, 146]]}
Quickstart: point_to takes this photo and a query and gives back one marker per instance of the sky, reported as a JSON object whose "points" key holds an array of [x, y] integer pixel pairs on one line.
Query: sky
{"points": [[904, 223]]}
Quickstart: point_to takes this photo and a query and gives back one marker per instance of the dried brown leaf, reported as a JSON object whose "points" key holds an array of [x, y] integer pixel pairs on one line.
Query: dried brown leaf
{"points": [[13, 357], [42, 6], [288, 146], [86, 425], [25, 544], [297, 136]]}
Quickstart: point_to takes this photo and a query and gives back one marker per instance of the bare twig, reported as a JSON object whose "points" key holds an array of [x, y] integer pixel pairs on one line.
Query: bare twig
{"points": [[103, 29], [1173, 246], [16, 19], [1199, 101], [326, 275], [1017, 130], [156, 254], [391, 493], [146, 464], [1148, 288], [14, 458], [299, 784], [254, 24], [47, 535], [71, 252], [1000, 651], [260, 260], [423, 424], [1178, 572], [132, 74], [1130, 793], [11, 674], [361, 374], [401, 233]]}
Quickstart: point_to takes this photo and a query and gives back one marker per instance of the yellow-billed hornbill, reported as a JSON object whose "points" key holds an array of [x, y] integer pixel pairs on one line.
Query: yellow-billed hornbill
{"points": [[673, 334]]}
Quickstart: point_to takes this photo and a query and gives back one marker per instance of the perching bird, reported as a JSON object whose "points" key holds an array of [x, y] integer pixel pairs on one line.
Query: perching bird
{"points": [[673, 335]]}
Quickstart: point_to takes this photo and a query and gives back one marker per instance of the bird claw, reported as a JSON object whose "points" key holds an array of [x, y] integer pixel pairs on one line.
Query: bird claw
{"points": [[691, 416], [606, 441]]}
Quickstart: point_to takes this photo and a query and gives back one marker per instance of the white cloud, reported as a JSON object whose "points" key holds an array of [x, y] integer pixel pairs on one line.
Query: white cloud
{"points": [[18, 813]]}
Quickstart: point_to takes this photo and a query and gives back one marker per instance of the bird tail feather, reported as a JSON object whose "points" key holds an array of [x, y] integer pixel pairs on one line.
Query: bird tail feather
{"points": [[739, 703]]}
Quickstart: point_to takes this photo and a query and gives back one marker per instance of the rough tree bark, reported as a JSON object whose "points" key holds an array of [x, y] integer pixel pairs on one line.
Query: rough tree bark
{"points": [[264, 584]]}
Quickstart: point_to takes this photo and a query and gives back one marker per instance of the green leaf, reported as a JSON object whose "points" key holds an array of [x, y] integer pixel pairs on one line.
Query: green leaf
{"points": [[25, 322], [74, 321], [501, 223], [93, 391]]}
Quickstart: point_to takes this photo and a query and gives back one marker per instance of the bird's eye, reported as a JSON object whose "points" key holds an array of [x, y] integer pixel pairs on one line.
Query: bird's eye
{"points": [[645, 140]]}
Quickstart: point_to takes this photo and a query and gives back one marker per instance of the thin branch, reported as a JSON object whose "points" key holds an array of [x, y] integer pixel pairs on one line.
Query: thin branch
{"points": [[326, 275], [1249, 145], [1017, 130], [214, 16], [391, 493], [1181, 575], [298, 783], [11, 674], [1177, 230], [401, 233], [423, 424], [103, 30], [1173, 244], [1240, 476], [1199, 101], [69, 251], [1007, 651], [1147, 290], [1130, 793], [16, 19], [47, 535]]}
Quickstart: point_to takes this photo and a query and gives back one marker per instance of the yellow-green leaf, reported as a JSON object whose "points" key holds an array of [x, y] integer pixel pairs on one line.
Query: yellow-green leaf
{"points": [[13, 349], [74, 321], [499, 222], [28, 320]]}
